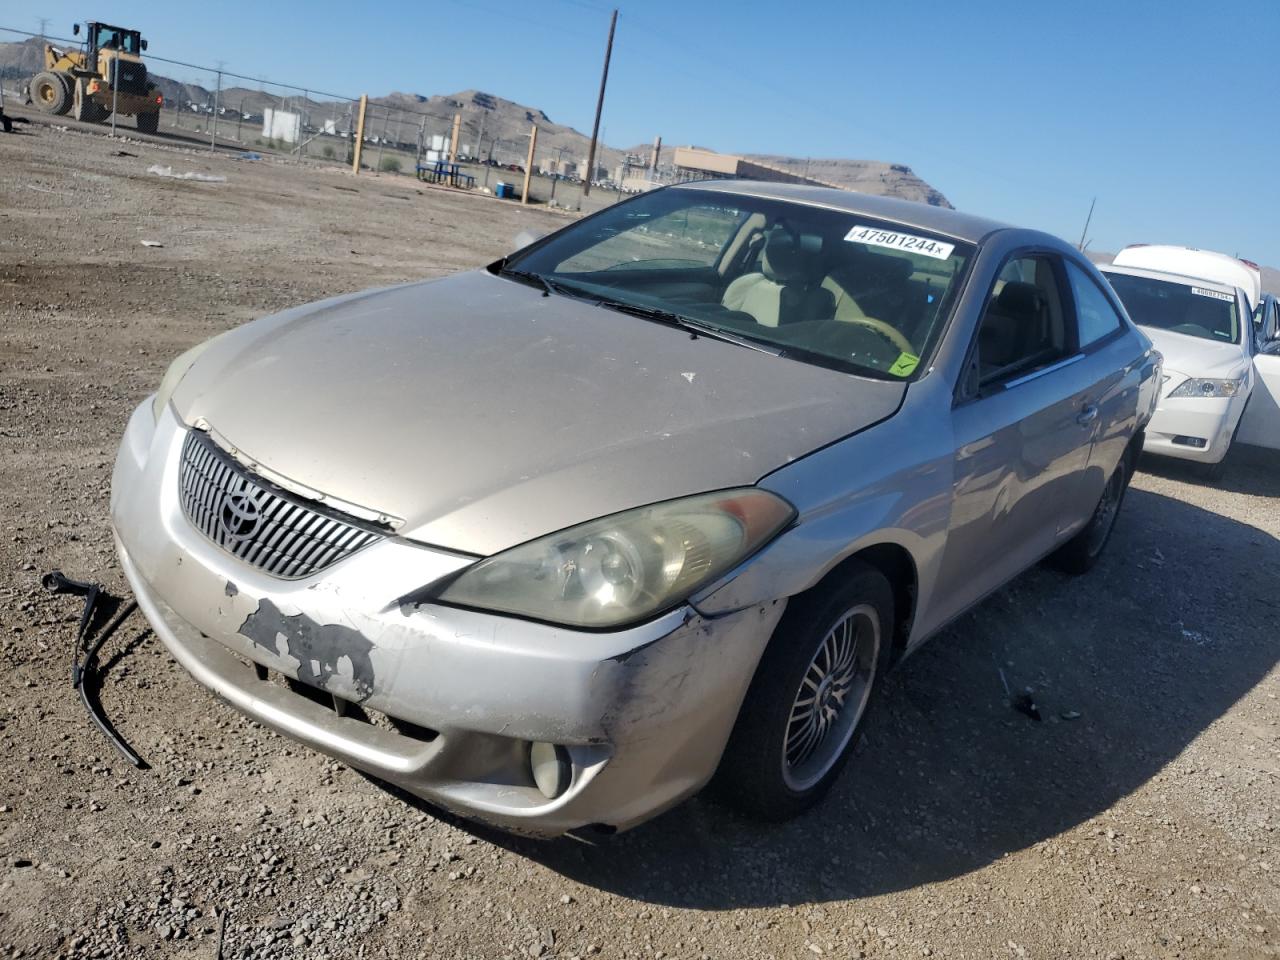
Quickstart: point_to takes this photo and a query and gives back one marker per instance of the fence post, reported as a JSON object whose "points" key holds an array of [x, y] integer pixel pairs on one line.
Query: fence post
{"points": [[364, 104], [217, 95], [453, 138], [115, 89], [528, 165]]}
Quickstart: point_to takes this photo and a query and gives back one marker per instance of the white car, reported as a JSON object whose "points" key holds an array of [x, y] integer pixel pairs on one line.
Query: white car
{"points": [[1193, 262], [1219, 382]]}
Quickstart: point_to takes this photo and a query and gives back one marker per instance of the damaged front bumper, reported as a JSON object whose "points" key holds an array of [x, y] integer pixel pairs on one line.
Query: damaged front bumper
{"points": [[445, 703]]}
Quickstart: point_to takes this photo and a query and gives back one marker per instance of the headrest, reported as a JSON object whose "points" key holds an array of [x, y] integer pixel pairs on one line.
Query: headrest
{"points": [[783, 258], [1019, 299]]}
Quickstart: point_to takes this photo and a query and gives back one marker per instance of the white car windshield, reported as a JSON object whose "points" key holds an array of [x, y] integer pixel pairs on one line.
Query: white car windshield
{"points": [[817, 284], [1180, 307]]}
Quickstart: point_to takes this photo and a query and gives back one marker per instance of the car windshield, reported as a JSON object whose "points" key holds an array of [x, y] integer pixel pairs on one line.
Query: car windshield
{"points": [[1178, 307], [816, 284]]}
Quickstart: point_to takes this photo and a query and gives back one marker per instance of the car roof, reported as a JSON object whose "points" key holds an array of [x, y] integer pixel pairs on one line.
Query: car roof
{"points": [[1170, 277], [923, 216]]}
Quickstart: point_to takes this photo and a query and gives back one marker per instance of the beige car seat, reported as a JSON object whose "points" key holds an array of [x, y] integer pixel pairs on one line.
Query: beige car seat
{"points": [[780, 292]]}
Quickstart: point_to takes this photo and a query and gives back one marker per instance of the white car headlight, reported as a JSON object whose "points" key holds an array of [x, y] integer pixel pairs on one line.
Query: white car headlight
{"points": [[627, 567], [1198, 387], [173, 376]]}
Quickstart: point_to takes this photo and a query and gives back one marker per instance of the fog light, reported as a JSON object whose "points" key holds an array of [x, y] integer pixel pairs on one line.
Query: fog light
{"points": [[1198, 442], [551, 769]]}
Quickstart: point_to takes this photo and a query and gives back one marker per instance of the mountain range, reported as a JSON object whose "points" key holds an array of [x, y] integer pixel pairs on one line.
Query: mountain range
{"points": [[497, 124]]}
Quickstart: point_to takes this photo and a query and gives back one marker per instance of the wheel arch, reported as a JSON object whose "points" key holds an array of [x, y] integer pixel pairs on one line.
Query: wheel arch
{"points": [[898, 566]]}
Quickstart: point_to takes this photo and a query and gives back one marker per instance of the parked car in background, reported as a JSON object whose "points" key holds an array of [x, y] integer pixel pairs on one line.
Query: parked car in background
{"points": [[1205, 331], [659, 497], [1261, 423], [1191, 262], [1266, 320]]}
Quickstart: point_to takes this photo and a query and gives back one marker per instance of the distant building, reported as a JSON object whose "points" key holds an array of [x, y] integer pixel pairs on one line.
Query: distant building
{"points": [[692, 163]]}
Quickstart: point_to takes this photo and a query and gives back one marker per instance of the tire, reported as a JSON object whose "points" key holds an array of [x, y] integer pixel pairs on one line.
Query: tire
{"points": [[772, 768], [1212, 472], [85, 110], [50, 93], [1079, 554], [148, 122]]}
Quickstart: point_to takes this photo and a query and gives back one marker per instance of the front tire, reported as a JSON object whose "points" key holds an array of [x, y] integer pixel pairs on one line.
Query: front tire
{"points": [[810, 694], [49, 93]]}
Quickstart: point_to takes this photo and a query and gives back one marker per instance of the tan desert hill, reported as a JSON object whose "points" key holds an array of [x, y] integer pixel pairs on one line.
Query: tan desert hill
{"points": [[492, 122]]}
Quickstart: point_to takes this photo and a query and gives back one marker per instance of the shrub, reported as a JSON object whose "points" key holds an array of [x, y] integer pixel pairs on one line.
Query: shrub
{"points": [[389, 165]]}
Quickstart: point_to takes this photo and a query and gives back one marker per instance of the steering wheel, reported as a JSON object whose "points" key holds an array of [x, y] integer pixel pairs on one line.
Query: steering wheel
{"points": [[888, 331]]}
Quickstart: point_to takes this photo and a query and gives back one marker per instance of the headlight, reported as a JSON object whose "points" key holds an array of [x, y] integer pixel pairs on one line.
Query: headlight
{"points": [[1196, 387], [173, 376], [626, 567]]}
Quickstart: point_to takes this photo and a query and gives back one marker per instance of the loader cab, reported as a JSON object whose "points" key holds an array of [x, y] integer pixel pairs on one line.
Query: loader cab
{"points": [[117, 41]]}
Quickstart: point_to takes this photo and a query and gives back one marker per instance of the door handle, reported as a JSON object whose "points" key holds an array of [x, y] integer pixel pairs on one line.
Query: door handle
{"points": [[1087, 415]]}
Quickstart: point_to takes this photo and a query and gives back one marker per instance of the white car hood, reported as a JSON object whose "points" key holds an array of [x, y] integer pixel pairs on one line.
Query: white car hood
{"points": [[1197, 357]]}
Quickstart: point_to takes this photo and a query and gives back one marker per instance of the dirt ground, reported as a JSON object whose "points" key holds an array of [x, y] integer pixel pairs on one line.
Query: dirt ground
{"points": [[1137, 819]]}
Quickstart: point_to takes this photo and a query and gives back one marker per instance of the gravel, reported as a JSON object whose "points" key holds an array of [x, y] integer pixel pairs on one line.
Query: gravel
{"points": [[1137, 820]]}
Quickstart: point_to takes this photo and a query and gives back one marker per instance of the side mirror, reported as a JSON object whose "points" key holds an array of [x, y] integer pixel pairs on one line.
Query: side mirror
{"points": [[144, 44], [524, 238], [75, 30]]}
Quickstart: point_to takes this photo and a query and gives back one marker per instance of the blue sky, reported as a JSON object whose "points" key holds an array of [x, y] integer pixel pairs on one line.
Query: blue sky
{"points": [[1165, 110]]}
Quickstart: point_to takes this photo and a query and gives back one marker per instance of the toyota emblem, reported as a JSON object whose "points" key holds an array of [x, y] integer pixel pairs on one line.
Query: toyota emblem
{"points": [[241, 515]]}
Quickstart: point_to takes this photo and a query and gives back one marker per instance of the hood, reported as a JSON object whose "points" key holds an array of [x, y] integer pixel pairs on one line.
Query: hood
{"points": [[1196, 356], [483, 414]]}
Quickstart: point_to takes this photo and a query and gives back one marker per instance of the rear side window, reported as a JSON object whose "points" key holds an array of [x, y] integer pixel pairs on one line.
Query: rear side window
{"points": [[1096, 316]]}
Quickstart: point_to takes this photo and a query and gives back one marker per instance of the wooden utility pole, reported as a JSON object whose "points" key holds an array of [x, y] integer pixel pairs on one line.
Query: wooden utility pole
{"points": [[528, 165], [595, 128], [364, 105], [453, 138]]}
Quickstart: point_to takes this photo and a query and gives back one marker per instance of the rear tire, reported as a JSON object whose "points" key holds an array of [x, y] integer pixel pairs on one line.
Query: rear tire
{"points": [[50, 93], [85, 110], [809, 696], [148, 122], [1079, 554]]}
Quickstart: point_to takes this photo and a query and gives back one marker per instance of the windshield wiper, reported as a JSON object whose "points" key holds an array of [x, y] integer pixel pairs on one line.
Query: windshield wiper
{"points": [[530, 278], [695, 327]]}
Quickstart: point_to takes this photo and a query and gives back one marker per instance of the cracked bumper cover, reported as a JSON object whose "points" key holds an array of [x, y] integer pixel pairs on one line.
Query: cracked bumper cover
{"points": [[643, 713]]}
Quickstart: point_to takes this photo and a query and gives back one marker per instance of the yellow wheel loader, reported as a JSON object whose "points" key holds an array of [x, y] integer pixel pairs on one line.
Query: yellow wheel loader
{"points": [[106, 71]]}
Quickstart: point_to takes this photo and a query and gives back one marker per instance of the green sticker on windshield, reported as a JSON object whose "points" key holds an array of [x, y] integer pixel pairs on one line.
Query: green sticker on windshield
{"points": [[904, 365]]}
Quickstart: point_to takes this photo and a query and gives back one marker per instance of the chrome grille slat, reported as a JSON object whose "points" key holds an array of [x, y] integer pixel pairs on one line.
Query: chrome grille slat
{"points": [[264, 528]]}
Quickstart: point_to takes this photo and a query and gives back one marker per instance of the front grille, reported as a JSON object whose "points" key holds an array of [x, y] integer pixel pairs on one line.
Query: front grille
{"points": [[132, 77], [256, 521]]}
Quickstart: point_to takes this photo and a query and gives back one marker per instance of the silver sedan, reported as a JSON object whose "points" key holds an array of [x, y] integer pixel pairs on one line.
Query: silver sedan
{"points": [[652, 503]]}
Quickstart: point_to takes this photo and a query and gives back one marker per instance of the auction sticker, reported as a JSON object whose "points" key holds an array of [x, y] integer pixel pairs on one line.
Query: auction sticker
{"points": [[875, 237], [1201, 291]]}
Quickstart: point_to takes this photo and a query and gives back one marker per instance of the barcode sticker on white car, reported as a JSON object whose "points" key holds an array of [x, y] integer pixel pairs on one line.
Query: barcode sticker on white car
{"points": [[895, 240], [1213, 293]]}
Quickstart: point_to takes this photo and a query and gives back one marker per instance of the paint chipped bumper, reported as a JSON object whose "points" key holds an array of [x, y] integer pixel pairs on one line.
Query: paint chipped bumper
{"points": [[442, 702]]}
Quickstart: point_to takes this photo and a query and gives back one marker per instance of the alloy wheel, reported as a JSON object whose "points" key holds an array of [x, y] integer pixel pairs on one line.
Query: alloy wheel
{"points": [[831, 698]]}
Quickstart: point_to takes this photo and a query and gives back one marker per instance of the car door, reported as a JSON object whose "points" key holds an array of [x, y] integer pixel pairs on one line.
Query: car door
{"points": [[1024, 422], [1111, 365], [1260, 424]]}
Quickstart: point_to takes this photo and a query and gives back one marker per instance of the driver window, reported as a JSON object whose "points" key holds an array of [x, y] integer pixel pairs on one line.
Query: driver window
{"points": [[688, 238], [1022, 326]]}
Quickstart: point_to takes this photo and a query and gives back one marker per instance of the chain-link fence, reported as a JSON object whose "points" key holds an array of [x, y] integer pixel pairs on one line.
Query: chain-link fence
{"points": [[473, 145]]}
